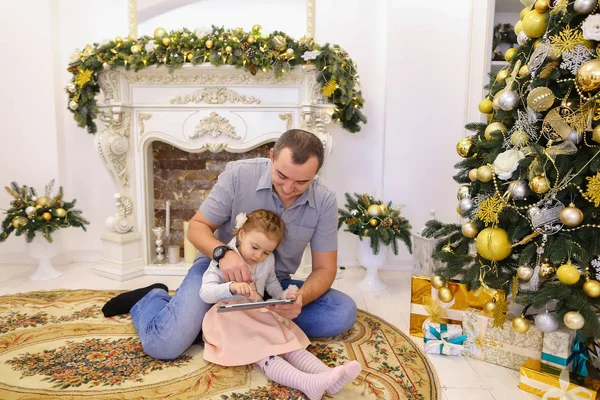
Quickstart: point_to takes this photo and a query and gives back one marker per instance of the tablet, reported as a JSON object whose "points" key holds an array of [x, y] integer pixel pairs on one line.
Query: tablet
{"points": [[252, 305]]}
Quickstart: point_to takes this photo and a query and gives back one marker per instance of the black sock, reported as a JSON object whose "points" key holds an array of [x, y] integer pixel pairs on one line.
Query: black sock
{"points": [[123, 303]]}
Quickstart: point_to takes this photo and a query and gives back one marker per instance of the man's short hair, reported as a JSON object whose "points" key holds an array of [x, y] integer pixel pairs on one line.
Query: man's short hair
{"points": [[302, 144]]}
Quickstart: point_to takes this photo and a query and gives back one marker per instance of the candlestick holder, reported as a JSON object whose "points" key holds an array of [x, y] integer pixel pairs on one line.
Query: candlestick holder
{"points": [[159, 232]]}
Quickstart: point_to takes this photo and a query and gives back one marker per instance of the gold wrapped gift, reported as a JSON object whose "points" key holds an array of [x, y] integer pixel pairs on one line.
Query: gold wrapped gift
{"points": [[552, 386], [425, 305]]}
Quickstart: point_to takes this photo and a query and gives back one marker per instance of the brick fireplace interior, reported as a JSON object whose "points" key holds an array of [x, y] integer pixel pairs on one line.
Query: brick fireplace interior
{"points": [[186, 179]]}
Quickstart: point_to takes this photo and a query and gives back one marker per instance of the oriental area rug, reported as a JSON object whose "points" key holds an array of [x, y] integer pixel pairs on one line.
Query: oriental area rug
{"points": [[58, 345]]}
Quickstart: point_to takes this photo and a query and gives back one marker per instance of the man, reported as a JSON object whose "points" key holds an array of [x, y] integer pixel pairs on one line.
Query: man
{"points": [[287, 184]]}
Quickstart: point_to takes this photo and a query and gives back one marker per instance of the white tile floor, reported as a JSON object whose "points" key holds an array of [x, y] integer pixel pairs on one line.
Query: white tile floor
{"points": [[462, 378]]}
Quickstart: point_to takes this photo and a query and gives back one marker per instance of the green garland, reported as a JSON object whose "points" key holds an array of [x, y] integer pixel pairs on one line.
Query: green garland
{"points": [[253, 51], [29, 213], [365, 216]]}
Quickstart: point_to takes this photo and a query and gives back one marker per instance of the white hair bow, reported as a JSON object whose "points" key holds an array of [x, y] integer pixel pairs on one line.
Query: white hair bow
{"points": [[240, 220]]}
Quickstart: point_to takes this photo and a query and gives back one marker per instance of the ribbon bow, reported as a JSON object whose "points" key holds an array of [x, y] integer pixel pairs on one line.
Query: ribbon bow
{"points": [[564, 393], [579, 356], [434, 309], [442, 338]]}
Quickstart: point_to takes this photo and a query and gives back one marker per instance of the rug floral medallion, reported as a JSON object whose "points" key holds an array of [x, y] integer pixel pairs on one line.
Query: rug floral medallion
{"points": [[57, 345]]}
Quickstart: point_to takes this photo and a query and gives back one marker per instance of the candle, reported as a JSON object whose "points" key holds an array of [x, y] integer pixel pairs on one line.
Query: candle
{"points": [[189, 251], [168, 219], [173, 254]]}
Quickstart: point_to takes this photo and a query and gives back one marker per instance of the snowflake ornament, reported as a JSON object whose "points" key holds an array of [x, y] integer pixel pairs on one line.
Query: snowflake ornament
{"points": [[574, 59], [596, 267], [526, 125]]}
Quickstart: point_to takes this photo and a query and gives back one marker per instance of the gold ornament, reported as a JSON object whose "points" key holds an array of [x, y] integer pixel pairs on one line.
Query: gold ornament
{"points": [[279, 43], [61, 213], [256, 29], [166, 41], [591, 288], [463, 192], [542, 6], [445, 294], [502, 74], [251, 39], [448, 249], [437, 282], [571, 216], [228, 49], [485, 173], [485, 106], [189, 56], [593, 190], [510, 53], [491, 131], [540, 99], [384, 208], [473, 174], [524, 12], [574, 320], [535, 24], [566, 40], [519, 138], [374, 210], [524, 71], [43, 201], [159, 33], [289, 52], [588, 76], [118, 39], [488, 308], [19, 221], [47, 216], [547, 270], [493, 244], [489, 209], [524, 272], [136, 48], [520, 324], [596, 134], [519, 27], [465, 147], [209, 44], [539, 184], [38, 206], [373, 222], [469, 229], [568, 274]]}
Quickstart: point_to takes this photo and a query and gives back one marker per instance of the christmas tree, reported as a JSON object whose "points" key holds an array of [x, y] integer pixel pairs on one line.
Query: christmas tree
{"points": [[530, 186]]}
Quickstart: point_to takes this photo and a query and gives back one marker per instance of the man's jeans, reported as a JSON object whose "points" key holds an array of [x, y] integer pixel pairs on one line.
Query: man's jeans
{"points": [[167, 325]]}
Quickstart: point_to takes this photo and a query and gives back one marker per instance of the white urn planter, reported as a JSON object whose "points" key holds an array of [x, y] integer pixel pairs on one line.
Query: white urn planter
{"points": [[43, 251], [372, 262]]}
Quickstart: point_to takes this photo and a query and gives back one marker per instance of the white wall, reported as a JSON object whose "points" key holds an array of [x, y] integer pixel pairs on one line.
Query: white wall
{"points": [[413, 62]]}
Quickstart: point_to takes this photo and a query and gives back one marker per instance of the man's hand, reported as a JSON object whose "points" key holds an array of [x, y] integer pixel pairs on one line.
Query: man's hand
{"points": [[289, 311], [233, 268]]}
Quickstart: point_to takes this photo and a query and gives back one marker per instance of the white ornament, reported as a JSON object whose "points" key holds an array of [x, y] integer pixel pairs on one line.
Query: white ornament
{"points": [[464, 206], [506, 163], [30, 211], [574, 59], [240, 220], [546, 322], [202, 31], [522, 38], [150, 46], [310, 55], [73, 105], [591, 27], [596, 266], [71, 88]]}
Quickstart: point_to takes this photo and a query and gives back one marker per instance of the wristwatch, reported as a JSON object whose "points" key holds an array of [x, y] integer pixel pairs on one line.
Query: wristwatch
{"points": [[219, 252]]}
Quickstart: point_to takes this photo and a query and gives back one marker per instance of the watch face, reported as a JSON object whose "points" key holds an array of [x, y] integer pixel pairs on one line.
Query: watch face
{"points": [[218, 252]]}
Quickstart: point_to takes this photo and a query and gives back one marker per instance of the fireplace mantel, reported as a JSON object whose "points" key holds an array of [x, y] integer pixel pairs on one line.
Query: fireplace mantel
{"points": [[195, 108]]}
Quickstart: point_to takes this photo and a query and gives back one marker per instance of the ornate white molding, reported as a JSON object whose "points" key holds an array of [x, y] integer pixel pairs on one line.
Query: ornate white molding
{"points": [[215, 95], [310, 18], [109, 84], [316, 95], [314, 121], [121, 222], [288, 118], [141, 118], [214, 125], [113, 142], [215, 147], [200, 78]]}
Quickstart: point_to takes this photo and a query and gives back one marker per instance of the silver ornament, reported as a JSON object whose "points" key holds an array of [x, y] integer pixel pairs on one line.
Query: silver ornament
{"points": [[546, 322], [508, 100], [518, 189], [71, 88], [584, 6], [30, 211], [575, 137], [73, 105], [522, 38], [354, 213], [463, 192], [464, 206]]}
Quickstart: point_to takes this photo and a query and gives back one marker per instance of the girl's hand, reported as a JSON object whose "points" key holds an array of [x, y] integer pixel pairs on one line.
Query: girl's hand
{"points": [[242, 288]]}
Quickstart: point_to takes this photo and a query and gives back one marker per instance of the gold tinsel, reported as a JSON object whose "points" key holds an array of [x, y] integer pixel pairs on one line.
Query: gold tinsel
{"points": [[351, 221], [365, 199], [567, 39], [499, 312], [83, 77], [580, 119], [515, 286], [548, 68], [12, 192], [560, 7], [489, 209], [597, 110], [593, 190], [329, 88]]}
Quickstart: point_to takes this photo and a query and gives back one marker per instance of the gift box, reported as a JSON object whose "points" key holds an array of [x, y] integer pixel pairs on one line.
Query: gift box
{"points": [[425, 305], [554, 386], [564, 348], [443, 339], [501, 345]]}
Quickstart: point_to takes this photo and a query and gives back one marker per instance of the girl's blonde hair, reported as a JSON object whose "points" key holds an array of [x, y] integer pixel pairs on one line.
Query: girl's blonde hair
{"points": [[267, 222]]}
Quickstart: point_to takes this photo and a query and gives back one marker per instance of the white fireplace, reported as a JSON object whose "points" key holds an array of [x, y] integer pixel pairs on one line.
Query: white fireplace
{"points": [[196, 109]]}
